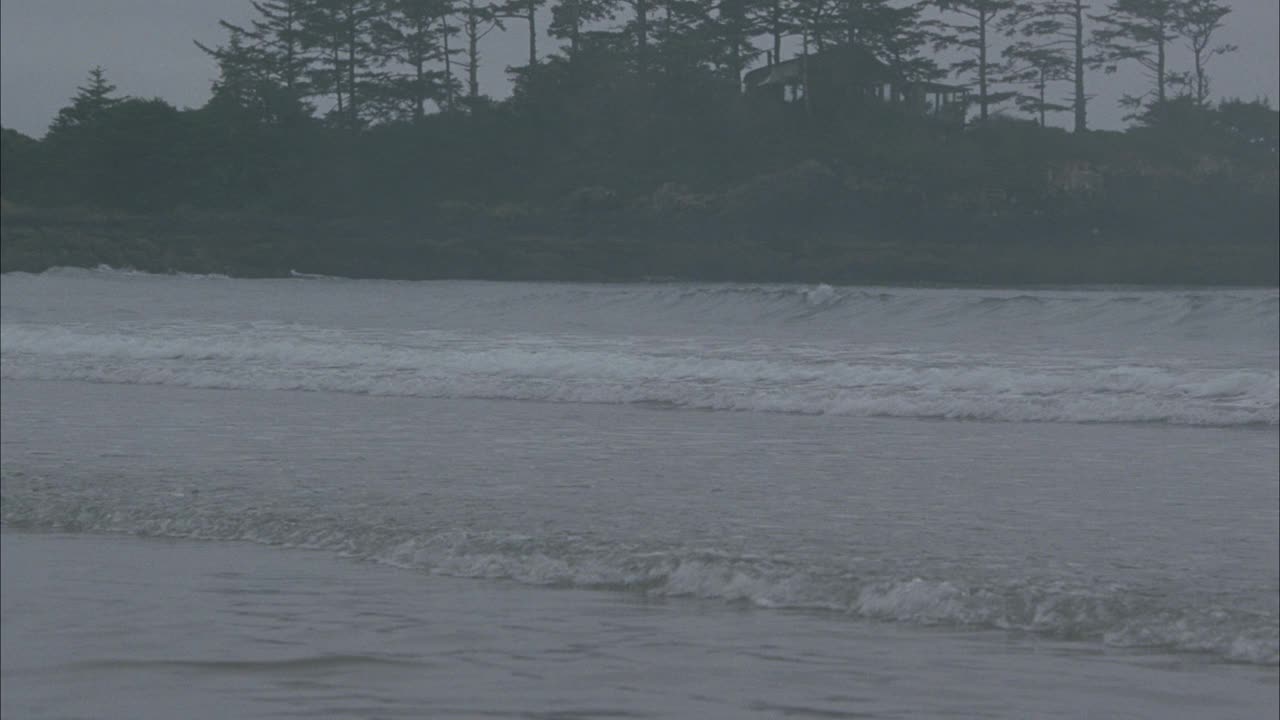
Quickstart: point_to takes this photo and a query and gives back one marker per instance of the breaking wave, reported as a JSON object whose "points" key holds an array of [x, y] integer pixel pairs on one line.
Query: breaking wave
{"points": [[695, 374], [1120, 616], [1187, 357], [1102, 312]]}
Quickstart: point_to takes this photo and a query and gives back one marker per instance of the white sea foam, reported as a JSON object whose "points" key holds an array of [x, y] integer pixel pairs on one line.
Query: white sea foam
{"points": [[1125, 617], [813, 379]]}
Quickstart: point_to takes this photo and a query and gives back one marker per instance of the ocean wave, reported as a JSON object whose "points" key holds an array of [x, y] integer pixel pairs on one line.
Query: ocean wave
{"points": [[1242, 313], [798, 379], [108, 272], [1116, 615]]}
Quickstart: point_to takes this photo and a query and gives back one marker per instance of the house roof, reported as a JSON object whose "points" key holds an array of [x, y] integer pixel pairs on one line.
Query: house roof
{"points": [[938, 87]]}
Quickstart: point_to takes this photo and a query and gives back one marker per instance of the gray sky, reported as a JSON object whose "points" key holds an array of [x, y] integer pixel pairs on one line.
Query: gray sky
{"points": [[46, 47]]}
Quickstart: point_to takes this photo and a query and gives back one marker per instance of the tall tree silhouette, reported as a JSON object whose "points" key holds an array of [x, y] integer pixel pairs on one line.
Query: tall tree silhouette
{"points": [[570, 19], [640, 31], [1061, 24], [525, 11], [90, 103], [1139, 31], [896, 33], [971, 25], [776, 18], [342, 31], [1198, 21], [1037, 66], [479, 18], [277, 34], [405, 35]]}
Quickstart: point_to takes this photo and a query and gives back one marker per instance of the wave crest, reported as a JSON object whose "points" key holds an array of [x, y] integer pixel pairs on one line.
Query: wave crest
{"points": [[799, 379], [1118, 616]]}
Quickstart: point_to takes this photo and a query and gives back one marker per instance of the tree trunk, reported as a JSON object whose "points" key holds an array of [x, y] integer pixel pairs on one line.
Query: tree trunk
{"points": [[336, 56], [731, 16], [1202, 90], [421, 33], [775, 20], [353, 104], [473, 54], [1044, 82], [575, 31], [448, 62], [642, 36], [982, 63], [290, 56], [1081, 120], [1160, 65], [419, 95], [804, 74], [533, 33]]}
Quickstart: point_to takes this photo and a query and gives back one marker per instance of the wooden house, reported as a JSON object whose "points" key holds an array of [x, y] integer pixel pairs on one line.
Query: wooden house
{"points": [[841, 77]]}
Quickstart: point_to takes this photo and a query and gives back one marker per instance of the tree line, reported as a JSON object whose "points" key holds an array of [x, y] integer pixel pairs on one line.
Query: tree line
{"points": [[356, 63], [374, 108]]}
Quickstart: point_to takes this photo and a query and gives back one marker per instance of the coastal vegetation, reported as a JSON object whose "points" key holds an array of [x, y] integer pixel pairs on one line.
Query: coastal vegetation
{"points": [[352, 137]]}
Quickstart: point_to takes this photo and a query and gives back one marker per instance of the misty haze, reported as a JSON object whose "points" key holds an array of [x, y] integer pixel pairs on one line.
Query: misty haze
{"points": [[639, 359]]}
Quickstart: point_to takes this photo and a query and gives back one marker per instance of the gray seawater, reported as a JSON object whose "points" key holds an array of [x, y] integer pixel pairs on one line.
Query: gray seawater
{"points": [[326, 497]]}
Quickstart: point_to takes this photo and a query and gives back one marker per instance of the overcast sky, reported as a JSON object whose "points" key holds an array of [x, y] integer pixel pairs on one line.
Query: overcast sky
{"points": [[46, 47]]}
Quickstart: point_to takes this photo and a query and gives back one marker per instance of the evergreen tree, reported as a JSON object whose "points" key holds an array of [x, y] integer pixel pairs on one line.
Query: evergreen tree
{"points": [[479, 18], [246, 84], [1198, 21], [777, 19], [639, 30], [444, 33], [341, 30], [1036, 66], [278, 33], [971, 25], [526, 11], [406, 35], [1060, 24], [735, 25], [90, 104], [897, 34], [1139, 31], [686, 37], [240, 79], [820, 25], [570, 18]]}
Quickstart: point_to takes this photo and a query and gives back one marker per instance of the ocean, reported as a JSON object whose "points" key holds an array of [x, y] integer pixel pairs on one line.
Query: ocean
{"points": [[322, 497]]}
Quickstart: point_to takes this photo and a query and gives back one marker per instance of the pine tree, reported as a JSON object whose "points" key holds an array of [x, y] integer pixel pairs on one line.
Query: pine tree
{"points": [[525, 11], [406, 35], [1061, 24], [278, 34], [341, 31], [1139, 31], [479, 18], [570, 18], [971, 25], [639, 29], [1036, 66], [445, 31], [1198, 21], [897, 34], [240, 68], [264, 66], [777, 19], [90, 104], [820, 25], [692, 35], [735, 24]]}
